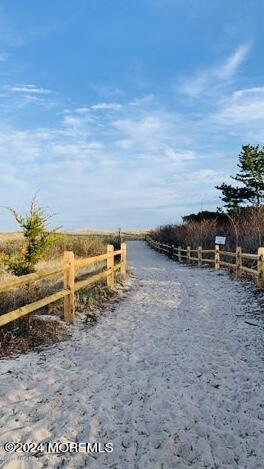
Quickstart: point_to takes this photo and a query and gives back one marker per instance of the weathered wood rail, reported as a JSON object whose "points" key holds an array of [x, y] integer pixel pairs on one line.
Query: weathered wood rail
{"points": [[215, 257], [68, 271]]}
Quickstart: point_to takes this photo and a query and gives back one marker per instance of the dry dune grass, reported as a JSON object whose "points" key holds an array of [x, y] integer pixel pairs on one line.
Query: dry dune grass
{"points": [[10, 235], [32, 331], [245, 230], [126, 234], [109, 232]]}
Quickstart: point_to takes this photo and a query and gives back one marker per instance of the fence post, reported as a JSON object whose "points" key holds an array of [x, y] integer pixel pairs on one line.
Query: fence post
{"points": [[261, 267], [69, 278], [217, 257], [110, 266], [200, 256], [238, 261], [123, 261], [172, 251], [188, 254], [179, 253]]}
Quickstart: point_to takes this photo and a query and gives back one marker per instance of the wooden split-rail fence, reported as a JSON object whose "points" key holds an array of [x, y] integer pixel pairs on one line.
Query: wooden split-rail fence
{"points": [[215, 257], [68, 270]]}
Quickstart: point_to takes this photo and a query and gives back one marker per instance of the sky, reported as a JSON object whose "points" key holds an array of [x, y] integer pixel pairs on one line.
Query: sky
{"points": [[126, 113]]}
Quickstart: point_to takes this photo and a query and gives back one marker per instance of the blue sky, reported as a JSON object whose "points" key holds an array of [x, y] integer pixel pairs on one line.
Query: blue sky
{"points": [[126, 112]]}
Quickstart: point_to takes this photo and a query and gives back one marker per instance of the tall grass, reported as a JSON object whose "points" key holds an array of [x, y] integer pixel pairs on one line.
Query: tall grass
{"points": [[31, 331], [245, 230]]}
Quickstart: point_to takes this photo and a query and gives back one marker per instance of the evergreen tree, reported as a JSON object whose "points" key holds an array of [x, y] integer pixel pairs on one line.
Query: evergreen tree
{"points": [[251, 175], [37, 236]]}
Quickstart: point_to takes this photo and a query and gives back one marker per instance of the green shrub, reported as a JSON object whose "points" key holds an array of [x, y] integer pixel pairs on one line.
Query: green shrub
{"points": [[38, 239]]}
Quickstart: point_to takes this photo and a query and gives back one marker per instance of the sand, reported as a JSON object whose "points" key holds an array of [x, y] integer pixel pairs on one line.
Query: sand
{"points": [[171, 377]]}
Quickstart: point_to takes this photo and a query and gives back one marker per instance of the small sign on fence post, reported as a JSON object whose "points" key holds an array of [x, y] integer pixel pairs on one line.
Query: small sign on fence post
{"points": [[220, 240]]}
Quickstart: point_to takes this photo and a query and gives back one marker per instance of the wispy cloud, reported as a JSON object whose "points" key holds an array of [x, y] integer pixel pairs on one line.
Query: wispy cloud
{"points": [[29, 89], [130, 163], [137, 156], [147, 99], [27, 95], [215, 76], [229, 68], [107, 139], [244, 106], [106, 106]]}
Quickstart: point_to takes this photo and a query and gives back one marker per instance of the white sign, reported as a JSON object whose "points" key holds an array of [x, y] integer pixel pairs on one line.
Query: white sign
{"points": [[220, 240]]}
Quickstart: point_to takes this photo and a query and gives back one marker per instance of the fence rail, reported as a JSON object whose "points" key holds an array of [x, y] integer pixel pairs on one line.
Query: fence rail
{"points": [[68, 270], [216, 258]]}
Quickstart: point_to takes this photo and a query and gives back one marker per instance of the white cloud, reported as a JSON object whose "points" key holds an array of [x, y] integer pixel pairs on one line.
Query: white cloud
{"points": [[106, 106], [73, 121], [130, 167], [193, 87], [248, 91], [143, 165], [80, 150], [141, 128], [229, 68], [216, 76], [20, 96], [152, 132], [19, 146], [148, 99], [124, 144], [80, 110], [78, 124], [180, 156], [29, 89], [244, 106]]}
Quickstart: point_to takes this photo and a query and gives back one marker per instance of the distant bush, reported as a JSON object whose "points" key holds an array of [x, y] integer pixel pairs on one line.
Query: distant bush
{"points": [[245, 229], [206, 215], [82, 246]]}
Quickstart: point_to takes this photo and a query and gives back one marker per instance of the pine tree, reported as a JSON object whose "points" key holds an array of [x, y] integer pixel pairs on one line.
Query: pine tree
{"points": [[251, 165], [251, 175], [37, 236]]}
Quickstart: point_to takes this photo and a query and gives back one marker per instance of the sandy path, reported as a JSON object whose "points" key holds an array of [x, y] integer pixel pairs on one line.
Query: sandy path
{"points": [[172, 377]]}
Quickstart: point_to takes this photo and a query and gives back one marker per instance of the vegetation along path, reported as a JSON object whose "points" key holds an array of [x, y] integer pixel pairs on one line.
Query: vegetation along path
{"points": [[171, 377]]}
